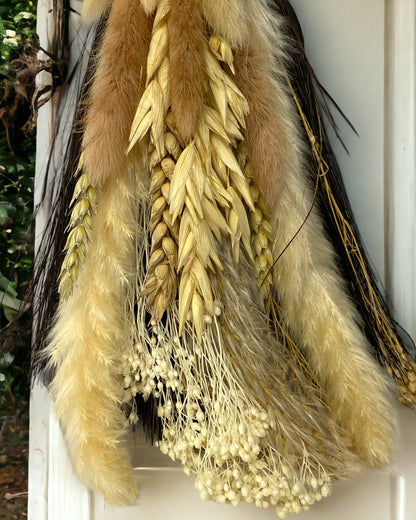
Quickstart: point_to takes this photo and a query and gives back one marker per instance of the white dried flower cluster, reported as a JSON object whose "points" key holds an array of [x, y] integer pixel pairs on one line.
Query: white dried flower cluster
{"points": [[215, 430]]}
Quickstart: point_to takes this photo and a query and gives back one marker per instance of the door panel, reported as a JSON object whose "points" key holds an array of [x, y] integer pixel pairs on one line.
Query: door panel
{"points": [[374, 495]]}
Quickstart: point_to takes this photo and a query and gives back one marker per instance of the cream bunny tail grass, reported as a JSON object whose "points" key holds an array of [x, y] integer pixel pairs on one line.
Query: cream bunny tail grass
{"points": [[117, 87], [187, 75], [92, 330], [228, 19], [149, 5]]}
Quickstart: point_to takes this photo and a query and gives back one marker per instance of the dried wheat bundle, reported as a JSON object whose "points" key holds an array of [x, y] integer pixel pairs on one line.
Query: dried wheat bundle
{"points": [[197, 273]]}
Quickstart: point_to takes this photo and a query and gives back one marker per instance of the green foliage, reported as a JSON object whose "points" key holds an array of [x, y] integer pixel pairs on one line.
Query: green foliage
{"points": [[17, 165]]}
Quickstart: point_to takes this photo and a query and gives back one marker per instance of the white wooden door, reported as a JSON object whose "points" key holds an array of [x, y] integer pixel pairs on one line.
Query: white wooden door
{"points": [[363, 51]]}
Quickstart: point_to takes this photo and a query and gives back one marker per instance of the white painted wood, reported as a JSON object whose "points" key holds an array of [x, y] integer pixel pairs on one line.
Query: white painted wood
{"points": [[345, 44], [39, 401], [400, 157], [38, 453], [54, 491]]}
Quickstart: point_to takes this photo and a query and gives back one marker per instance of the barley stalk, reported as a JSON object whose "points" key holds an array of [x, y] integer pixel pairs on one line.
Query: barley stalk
{"points": [[84, 202]]}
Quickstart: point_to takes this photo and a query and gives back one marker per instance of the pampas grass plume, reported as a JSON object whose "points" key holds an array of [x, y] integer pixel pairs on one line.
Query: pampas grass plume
{"points": [[85, 349]]}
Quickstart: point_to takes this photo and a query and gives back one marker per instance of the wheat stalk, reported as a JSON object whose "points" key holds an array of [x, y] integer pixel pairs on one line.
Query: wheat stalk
{"points": [[84, 202], [161, 281]]}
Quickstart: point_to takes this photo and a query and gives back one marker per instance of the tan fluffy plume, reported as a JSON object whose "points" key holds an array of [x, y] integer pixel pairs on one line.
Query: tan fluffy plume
{"points": [[264, 132], [117, 88], [187, 74]]}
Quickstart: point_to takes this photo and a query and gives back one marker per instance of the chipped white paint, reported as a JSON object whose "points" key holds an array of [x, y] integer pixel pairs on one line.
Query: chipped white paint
{"points": [[364, 53]]}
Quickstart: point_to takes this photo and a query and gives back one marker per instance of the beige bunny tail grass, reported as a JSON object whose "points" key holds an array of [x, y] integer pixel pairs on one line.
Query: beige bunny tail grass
{"points": [[92, 10], [91, 332], [228, 19], [117, 87], [324, 322], [187, 78]]}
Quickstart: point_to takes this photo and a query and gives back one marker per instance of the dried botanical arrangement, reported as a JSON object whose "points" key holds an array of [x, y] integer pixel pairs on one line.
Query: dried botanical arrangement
{"points": [[200, 290]]}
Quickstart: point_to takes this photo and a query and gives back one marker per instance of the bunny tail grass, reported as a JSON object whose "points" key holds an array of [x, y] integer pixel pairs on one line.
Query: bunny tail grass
{"points": [[117, 87], [264, 132], [92, 10], [187, 77], [149, 5], [229, 20], [86, 347]]}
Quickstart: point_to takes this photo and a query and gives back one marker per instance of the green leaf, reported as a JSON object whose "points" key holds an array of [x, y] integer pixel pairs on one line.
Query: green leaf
{"points": [[10, 303], [7, 286]]}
